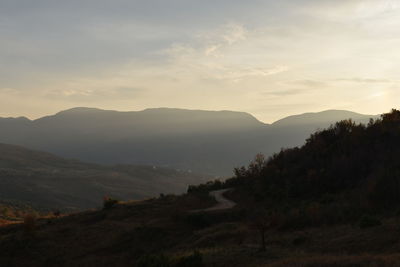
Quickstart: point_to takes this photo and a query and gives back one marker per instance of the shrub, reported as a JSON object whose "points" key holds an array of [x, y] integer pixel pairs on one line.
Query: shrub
{"points": [[109, 202], [29, 223], [194, 260], [369, 221], [57, 213], [159, 260]]}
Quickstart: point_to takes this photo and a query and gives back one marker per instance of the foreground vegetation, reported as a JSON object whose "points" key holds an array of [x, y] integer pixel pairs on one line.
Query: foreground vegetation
{"points": [[164, 232], [332, 202]]}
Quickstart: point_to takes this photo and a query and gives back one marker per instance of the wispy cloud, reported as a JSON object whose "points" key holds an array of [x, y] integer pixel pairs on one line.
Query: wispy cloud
{"points": [[10, 91], [216, 54], [308, 83], [367, 80], [231, 54]]}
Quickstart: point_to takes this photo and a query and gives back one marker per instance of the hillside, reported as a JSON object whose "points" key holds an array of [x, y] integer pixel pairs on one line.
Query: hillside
{"points": [[342, 172], [346, 159], [163, 232], [45, 181], [212, 142], [322, 118], [332, 202]]}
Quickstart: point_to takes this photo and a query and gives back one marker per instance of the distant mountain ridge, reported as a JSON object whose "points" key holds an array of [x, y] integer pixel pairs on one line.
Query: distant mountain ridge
{"points": [[204, 141], [322, 117]]}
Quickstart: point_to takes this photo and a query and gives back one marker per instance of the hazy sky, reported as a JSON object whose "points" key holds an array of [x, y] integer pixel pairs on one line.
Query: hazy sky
{"points": [[269, 58]]}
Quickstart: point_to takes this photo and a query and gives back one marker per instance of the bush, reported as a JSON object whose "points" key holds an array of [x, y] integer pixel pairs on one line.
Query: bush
{"points": [[194, 260], [29, 223], [369, 221], [159, 260], [57, 213], [109, 202]]}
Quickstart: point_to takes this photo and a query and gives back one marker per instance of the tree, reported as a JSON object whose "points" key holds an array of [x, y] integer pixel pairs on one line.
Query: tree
{"points": [[262, 221]]}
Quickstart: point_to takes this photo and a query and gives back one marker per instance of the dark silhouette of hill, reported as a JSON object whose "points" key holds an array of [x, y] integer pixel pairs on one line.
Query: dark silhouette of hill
{"points": [[294, 130], [45, 181], [355, 163], [321, 118], [204, 141]]}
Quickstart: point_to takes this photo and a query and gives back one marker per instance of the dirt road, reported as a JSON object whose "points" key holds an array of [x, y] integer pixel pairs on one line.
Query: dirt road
{"points": [[223, 203]]}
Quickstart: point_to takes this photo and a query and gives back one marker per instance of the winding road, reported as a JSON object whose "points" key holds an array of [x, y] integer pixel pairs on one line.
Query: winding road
{"points": [[222, 202]]}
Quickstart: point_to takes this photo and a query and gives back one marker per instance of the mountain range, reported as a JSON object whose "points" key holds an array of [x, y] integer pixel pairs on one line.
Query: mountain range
{"points": [[211, 142]]}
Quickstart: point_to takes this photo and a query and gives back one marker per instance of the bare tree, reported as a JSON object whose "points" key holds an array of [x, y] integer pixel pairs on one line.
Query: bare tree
{"points": [[262, 221]]}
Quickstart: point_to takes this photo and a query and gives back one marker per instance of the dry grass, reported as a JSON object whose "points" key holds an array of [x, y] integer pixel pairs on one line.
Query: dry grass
{"points": [[121, 235], [332, 260]]}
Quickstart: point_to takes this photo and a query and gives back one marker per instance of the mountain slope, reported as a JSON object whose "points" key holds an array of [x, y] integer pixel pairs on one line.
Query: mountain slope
{"points": [[332, 202], [204, 141], [294, 130], [321, 118], [355, 167], [43, 180]]}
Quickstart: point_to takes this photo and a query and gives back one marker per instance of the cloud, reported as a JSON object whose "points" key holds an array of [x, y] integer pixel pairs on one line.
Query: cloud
{"points": [[9, 91], [206, 54], [237, 74], [284, 92], [234, 33], [308, 83], [367, 80], [91, 95], [217, 54], [350, 10]]}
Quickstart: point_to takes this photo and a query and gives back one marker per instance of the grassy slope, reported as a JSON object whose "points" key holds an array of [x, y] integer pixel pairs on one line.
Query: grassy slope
{"points": [[43, 180], [121, 235]]}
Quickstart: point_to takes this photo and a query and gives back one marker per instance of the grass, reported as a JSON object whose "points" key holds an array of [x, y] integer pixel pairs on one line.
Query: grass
{"points": [[337, 260], [122, 235]]}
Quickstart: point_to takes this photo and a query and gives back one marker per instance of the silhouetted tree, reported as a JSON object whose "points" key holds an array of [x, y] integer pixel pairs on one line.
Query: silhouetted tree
{"points": [[262, 221]]}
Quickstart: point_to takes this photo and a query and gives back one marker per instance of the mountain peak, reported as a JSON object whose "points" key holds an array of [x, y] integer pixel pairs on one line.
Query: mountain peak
{"points": [[19, 119], [326, 116], [79, 110]]}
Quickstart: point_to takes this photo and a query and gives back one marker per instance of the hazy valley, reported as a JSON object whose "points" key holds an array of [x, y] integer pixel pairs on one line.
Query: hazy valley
{"points": [[208, 142], [47, 182]]}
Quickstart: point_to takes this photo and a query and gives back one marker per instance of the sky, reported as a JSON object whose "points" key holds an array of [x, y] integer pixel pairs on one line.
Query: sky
{"points": [[269, 58]]}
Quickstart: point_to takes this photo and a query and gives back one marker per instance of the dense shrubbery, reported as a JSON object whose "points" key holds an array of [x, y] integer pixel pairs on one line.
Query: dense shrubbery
{"points": [[211, 185], [109, 202], [343, 158], [346, 168]]}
